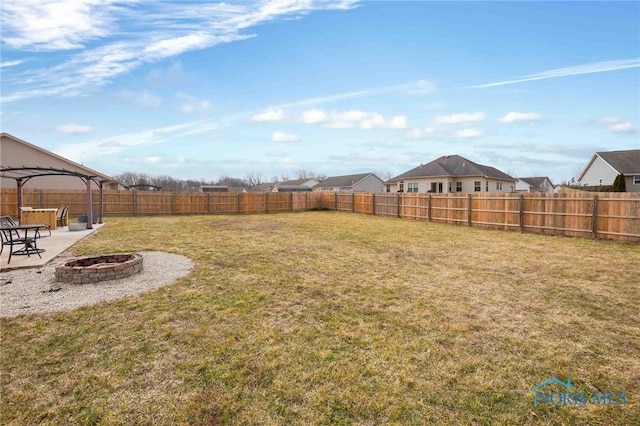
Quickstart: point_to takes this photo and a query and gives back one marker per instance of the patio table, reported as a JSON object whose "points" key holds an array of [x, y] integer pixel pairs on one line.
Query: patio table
{"points": [[11, 237]]}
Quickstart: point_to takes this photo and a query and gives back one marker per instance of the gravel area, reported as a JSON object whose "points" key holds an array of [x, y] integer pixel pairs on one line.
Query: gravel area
{"points": [[34, 291]]}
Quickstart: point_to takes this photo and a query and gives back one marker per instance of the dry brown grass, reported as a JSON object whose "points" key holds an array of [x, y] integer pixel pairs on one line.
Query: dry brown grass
{"points": [[334, 318]]}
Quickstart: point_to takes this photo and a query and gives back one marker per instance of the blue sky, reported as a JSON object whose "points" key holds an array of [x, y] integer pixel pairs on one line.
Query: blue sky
{"points": [[201, 89]]}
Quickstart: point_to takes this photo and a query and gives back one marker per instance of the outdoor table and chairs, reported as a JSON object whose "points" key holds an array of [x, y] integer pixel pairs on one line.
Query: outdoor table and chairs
{"points": [[18, 239]]}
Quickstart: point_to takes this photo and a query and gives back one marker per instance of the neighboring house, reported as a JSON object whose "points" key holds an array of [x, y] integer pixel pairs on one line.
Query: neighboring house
{"points": [[296, 185], [311, 182], [291, 188], [15, 152], [452, 173], [364, 182], [605, 166], [535, 184]]}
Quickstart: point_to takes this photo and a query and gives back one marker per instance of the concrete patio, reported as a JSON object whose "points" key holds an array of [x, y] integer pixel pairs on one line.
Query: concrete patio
{"points": [[60, 240]]}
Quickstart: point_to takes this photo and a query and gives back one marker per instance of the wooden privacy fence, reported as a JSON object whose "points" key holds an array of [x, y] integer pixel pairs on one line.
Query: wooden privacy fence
{"points": [[149, 203], [608, 215]]}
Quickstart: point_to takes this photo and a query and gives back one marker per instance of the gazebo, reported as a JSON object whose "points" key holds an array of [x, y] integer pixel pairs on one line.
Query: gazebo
{"points": [[25, 173]]}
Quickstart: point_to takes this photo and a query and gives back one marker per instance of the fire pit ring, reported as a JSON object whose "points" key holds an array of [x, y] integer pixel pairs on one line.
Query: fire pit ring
{"points": [[93, 269]]}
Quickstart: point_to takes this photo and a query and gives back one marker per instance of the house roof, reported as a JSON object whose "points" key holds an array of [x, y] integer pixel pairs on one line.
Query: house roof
{"points": [[627, 162], [73, 166], [452, 166], [345, 181], [296, 182], [536, 181]]}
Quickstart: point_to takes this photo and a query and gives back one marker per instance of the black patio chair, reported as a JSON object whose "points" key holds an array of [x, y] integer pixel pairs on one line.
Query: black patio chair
{"points": [[11, 238]]}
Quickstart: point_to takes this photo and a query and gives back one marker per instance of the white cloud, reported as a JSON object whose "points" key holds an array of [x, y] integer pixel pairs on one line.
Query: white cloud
{"points": [[73, 129], [160, 30], [269, 115], [143, 99], [424, 133], [594, 67], [314, 116], [618, 125], [354, 119], [7, 64], [461, 118], [285, 137], [513, 117], [468, 133], [192, 105], [622, 127]]}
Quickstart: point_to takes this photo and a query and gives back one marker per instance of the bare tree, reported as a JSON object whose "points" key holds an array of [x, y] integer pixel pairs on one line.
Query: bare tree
{"points": [[385, 176], [304, 174], [254, 178], [231, 181]]}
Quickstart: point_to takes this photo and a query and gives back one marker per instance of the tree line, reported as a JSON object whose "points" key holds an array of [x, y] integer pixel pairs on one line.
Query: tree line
{"points": [[169, 183]]}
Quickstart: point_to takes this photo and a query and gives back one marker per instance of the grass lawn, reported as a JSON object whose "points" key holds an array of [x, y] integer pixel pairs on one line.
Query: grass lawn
{"points": [[337, 318]]}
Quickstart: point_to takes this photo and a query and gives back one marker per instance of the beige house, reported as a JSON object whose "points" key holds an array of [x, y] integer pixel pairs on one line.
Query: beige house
{"points": [[539, 184], [452, 173], [15, 152], [605, 166]]}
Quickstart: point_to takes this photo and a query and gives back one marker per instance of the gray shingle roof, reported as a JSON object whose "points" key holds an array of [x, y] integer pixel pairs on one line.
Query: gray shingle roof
{"points": [[342, 181], [627, 162], [452, 165], [537, 181]]}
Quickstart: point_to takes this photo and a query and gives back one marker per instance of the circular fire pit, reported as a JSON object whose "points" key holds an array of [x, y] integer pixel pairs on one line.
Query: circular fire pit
{"points": [[93, 269]]}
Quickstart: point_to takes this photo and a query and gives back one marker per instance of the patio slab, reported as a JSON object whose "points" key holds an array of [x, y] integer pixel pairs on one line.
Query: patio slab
{"points": [[60, 240]]}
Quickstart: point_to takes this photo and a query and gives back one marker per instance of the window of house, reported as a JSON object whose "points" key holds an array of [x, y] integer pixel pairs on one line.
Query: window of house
{"points": [[412, 187], [400, 186], [636, 180], [450, 186], [499, 186], [458, 186], [388, 188], [477, 186], [486, 187]]}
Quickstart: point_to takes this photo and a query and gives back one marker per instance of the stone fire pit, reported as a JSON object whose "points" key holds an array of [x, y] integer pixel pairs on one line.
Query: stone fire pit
{"points": [[93, 269]]}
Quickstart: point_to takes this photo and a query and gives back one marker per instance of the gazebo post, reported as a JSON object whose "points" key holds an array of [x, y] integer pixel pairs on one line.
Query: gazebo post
{"points": [[89, 204], [101, 202], [19, 191]]}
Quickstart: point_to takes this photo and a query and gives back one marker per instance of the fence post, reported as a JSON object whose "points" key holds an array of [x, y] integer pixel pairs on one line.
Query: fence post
{"points": [[353, 202], [398, 204], [469, 209], [208, 202], [174, 201], [291, 200], [429, 208], [594, 216], [335, 200], [135, 202], [39, 198], [306, 201], [521, 213], [373, 203], [238, 201], [266, 202]]}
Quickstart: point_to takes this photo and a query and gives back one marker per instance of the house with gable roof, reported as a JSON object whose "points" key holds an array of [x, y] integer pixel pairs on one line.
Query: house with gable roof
{"points": [[452, 173], [363, 182], [541, 184], [605, 166], [17, 153]]}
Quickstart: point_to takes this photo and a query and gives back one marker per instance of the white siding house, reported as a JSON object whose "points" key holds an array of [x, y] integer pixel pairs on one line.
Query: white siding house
{"points": [[541, 184], [452, 173], [605, 166]]}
